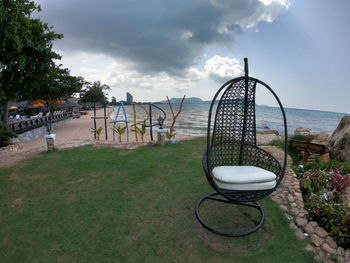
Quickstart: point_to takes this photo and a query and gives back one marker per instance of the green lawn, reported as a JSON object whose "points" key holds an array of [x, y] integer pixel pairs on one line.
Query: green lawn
{"points": [[95, 204]]}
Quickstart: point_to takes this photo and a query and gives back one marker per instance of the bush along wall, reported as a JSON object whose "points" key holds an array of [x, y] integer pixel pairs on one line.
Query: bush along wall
{"points": [[6, 136], [326, 197]]}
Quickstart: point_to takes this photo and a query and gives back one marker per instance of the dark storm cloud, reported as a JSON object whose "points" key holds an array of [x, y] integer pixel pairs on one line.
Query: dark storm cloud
{"points": [[155, 35]]}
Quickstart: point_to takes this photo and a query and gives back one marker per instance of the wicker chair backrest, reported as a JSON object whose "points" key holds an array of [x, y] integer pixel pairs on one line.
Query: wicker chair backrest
{"points": [[235, 118]]}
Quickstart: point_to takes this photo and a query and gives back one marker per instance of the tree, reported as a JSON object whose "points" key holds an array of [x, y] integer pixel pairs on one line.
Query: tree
{"points": [[120, 130], [59, 83], [95, 93], [27, 67]]}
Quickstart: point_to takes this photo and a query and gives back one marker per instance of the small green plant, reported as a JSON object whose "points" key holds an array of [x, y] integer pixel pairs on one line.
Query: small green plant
{"points": [[298, 137], [142, 131], [97, 131], [120, 130], [5, 136], [344, 168], [296, 155], [170, 134]]}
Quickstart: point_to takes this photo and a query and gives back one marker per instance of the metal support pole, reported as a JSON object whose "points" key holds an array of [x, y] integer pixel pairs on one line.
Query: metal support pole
{"points": [[104, 111], [95, 120], [150, 121]]}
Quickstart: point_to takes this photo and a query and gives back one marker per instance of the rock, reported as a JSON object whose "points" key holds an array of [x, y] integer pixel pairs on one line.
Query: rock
{"points": [[309, 248], [290, 198], [320, 256], [277, 153], [313, 223], [265, 137], [326, 248], [322, 138], [309, 228], [305, 131], [347, 257], [300, 221], [299, 234], [293, 226], [295, 211], [316, 240], [321, 232], [346, 194], [340, 251], [268, 132], [340, 141], [325, 157], [276, 199], [284, 208], [330, 241], [300, 204], [298, 195]]}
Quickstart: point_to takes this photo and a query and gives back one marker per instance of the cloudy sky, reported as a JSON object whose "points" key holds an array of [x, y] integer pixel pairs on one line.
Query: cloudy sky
{"points": [[157, 48]]}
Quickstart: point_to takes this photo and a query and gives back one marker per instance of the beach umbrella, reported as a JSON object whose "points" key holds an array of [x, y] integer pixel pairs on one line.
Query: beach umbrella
{"points": [[38, 103], [42, 103], [13, 108], [57, 101]]}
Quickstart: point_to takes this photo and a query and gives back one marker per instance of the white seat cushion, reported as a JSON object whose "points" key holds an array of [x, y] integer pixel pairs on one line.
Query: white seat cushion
{"points": [[246, 187], [242, 175]]}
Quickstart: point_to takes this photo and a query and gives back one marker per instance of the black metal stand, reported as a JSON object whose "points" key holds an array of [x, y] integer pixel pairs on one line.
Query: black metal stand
{"points": [[100, 118], [151, 124], [211, 196]]}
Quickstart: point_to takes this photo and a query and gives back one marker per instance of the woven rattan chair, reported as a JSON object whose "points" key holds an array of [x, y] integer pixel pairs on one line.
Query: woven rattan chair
{"points": [[240, 172]]}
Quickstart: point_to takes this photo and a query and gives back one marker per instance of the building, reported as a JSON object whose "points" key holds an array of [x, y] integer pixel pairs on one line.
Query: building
{"points": [[129, 98]]}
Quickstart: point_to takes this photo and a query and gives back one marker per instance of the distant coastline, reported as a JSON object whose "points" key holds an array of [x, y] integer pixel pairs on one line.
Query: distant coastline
{"points": [[194, 117], [196, 100]]}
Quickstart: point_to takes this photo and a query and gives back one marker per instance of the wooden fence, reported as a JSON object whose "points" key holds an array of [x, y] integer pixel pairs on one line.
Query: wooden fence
{"points": [[20, 126]]}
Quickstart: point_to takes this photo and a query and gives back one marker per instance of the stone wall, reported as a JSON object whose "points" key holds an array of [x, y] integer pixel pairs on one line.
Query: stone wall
{"points": [[35, 133]]}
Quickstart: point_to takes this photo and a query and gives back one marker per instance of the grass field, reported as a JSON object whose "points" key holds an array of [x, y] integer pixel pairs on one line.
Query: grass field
{"points": [[96, 204]]}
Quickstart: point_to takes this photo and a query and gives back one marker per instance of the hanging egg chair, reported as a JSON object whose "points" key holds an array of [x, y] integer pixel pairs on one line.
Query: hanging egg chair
{"points": [[238, 170]]}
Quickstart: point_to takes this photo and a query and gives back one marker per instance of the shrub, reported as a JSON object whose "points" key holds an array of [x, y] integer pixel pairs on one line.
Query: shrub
{"points": [[97, 131], [344, 168], [142, 131], [298, 137], [296, 155], [323, 197], [170, 133], [5, 136], [120, 130]]}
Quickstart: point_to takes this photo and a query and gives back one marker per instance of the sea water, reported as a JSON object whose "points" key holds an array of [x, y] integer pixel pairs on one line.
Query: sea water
{"points": [[193, 119]]}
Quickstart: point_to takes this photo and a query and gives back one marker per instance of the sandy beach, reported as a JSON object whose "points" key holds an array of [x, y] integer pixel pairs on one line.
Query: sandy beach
{"points": [[74, 133]]}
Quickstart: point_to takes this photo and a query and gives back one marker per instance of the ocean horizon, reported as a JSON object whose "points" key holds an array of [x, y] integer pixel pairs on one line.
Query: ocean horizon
{"points": [[193, 119]]}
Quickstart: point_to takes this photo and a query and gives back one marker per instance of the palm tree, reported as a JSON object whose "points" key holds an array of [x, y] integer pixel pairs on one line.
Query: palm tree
{"points": [[120, 130], [142, 131], [97, 131], [170, 133]]}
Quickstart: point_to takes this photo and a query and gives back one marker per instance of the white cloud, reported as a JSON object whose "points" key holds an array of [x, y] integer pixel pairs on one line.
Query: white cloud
{"points": [[223, 68], [151, 86], [155, 36], [152, 49]]}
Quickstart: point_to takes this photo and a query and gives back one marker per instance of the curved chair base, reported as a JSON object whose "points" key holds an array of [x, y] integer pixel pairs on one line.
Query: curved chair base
{"points": [[211, 196]]}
